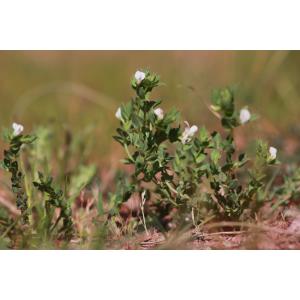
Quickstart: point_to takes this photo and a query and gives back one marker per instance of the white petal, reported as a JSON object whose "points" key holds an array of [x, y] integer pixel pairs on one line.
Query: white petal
{"points": [[273, 152], [118, 114], [17, 128], [193, 130], [187, 125], [188, 132], [245, 115], [159, 113], [185, 136], [139, 76], [222, 191], [184, 139]]}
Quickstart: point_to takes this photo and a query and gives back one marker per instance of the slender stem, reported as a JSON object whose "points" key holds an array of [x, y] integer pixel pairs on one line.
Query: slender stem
{"points": [[55, 224], [221, 233], [128, 153], [144, 219], [12, 225], [142, 209], [193, 217], [171, 188], [27, 188]]}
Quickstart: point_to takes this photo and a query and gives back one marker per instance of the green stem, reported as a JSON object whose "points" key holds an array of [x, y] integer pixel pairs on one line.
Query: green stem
{"points": [[128, 153], [171, 188], [27, 189]]}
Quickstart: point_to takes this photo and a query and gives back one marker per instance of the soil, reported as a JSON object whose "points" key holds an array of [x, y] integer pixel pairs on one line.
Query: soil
{"points": [[281, 231]]}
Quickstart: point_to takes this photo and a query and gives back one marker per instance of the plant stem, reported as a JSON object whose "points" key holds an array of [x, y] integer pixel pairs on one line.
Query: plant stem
{"points": [[144, 219], [27, 189], [128, 153]]}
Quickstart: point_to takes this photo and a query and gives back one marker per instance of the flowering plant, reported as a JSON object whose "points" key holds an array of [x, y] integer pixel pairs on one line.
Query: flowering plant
{"points": [[10, 163], [191, 169]]}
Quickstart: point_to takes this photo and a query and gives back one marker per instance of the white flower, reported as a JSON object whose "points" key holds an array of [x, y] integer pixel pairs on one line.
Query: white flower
{"points": [[139, 76], [18, 128], [188, 132], [159, 113], [118, 114], [273, 152], [222, 191], [193, 130], [245, 115]]}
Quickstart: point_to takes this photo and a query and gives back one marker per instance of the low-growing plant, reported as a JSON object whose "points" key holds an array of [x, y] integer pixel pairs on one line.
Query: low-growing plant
{"points": [[190, 170], [289, 190], [11, 164], [55, 200], [23, 188]]}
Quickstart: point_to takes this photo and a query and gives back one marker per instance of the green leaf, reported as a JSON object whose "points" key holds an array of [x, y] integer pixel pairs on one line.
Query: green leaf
{"points": [[174, 134], [171, 117], [147, 105], [203, 135], [160, 136], [200, 158], [215, 156]]}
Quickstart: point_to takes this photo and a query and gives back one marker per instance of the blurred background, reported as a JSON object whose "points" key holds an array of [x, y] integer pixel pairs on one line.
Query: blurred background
{"points": [[81, 90]]}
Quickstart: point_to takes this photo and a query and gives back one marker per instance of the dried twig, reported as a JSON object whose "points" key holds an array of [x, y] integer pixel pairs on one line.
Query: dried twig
{"points": [[257, 227]]}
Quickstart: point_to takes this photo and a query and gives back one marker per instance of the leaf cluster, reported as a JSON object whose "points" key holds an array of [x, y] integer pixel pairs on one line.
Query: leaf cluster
{"points": [[56, 200], [10, 163]]}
